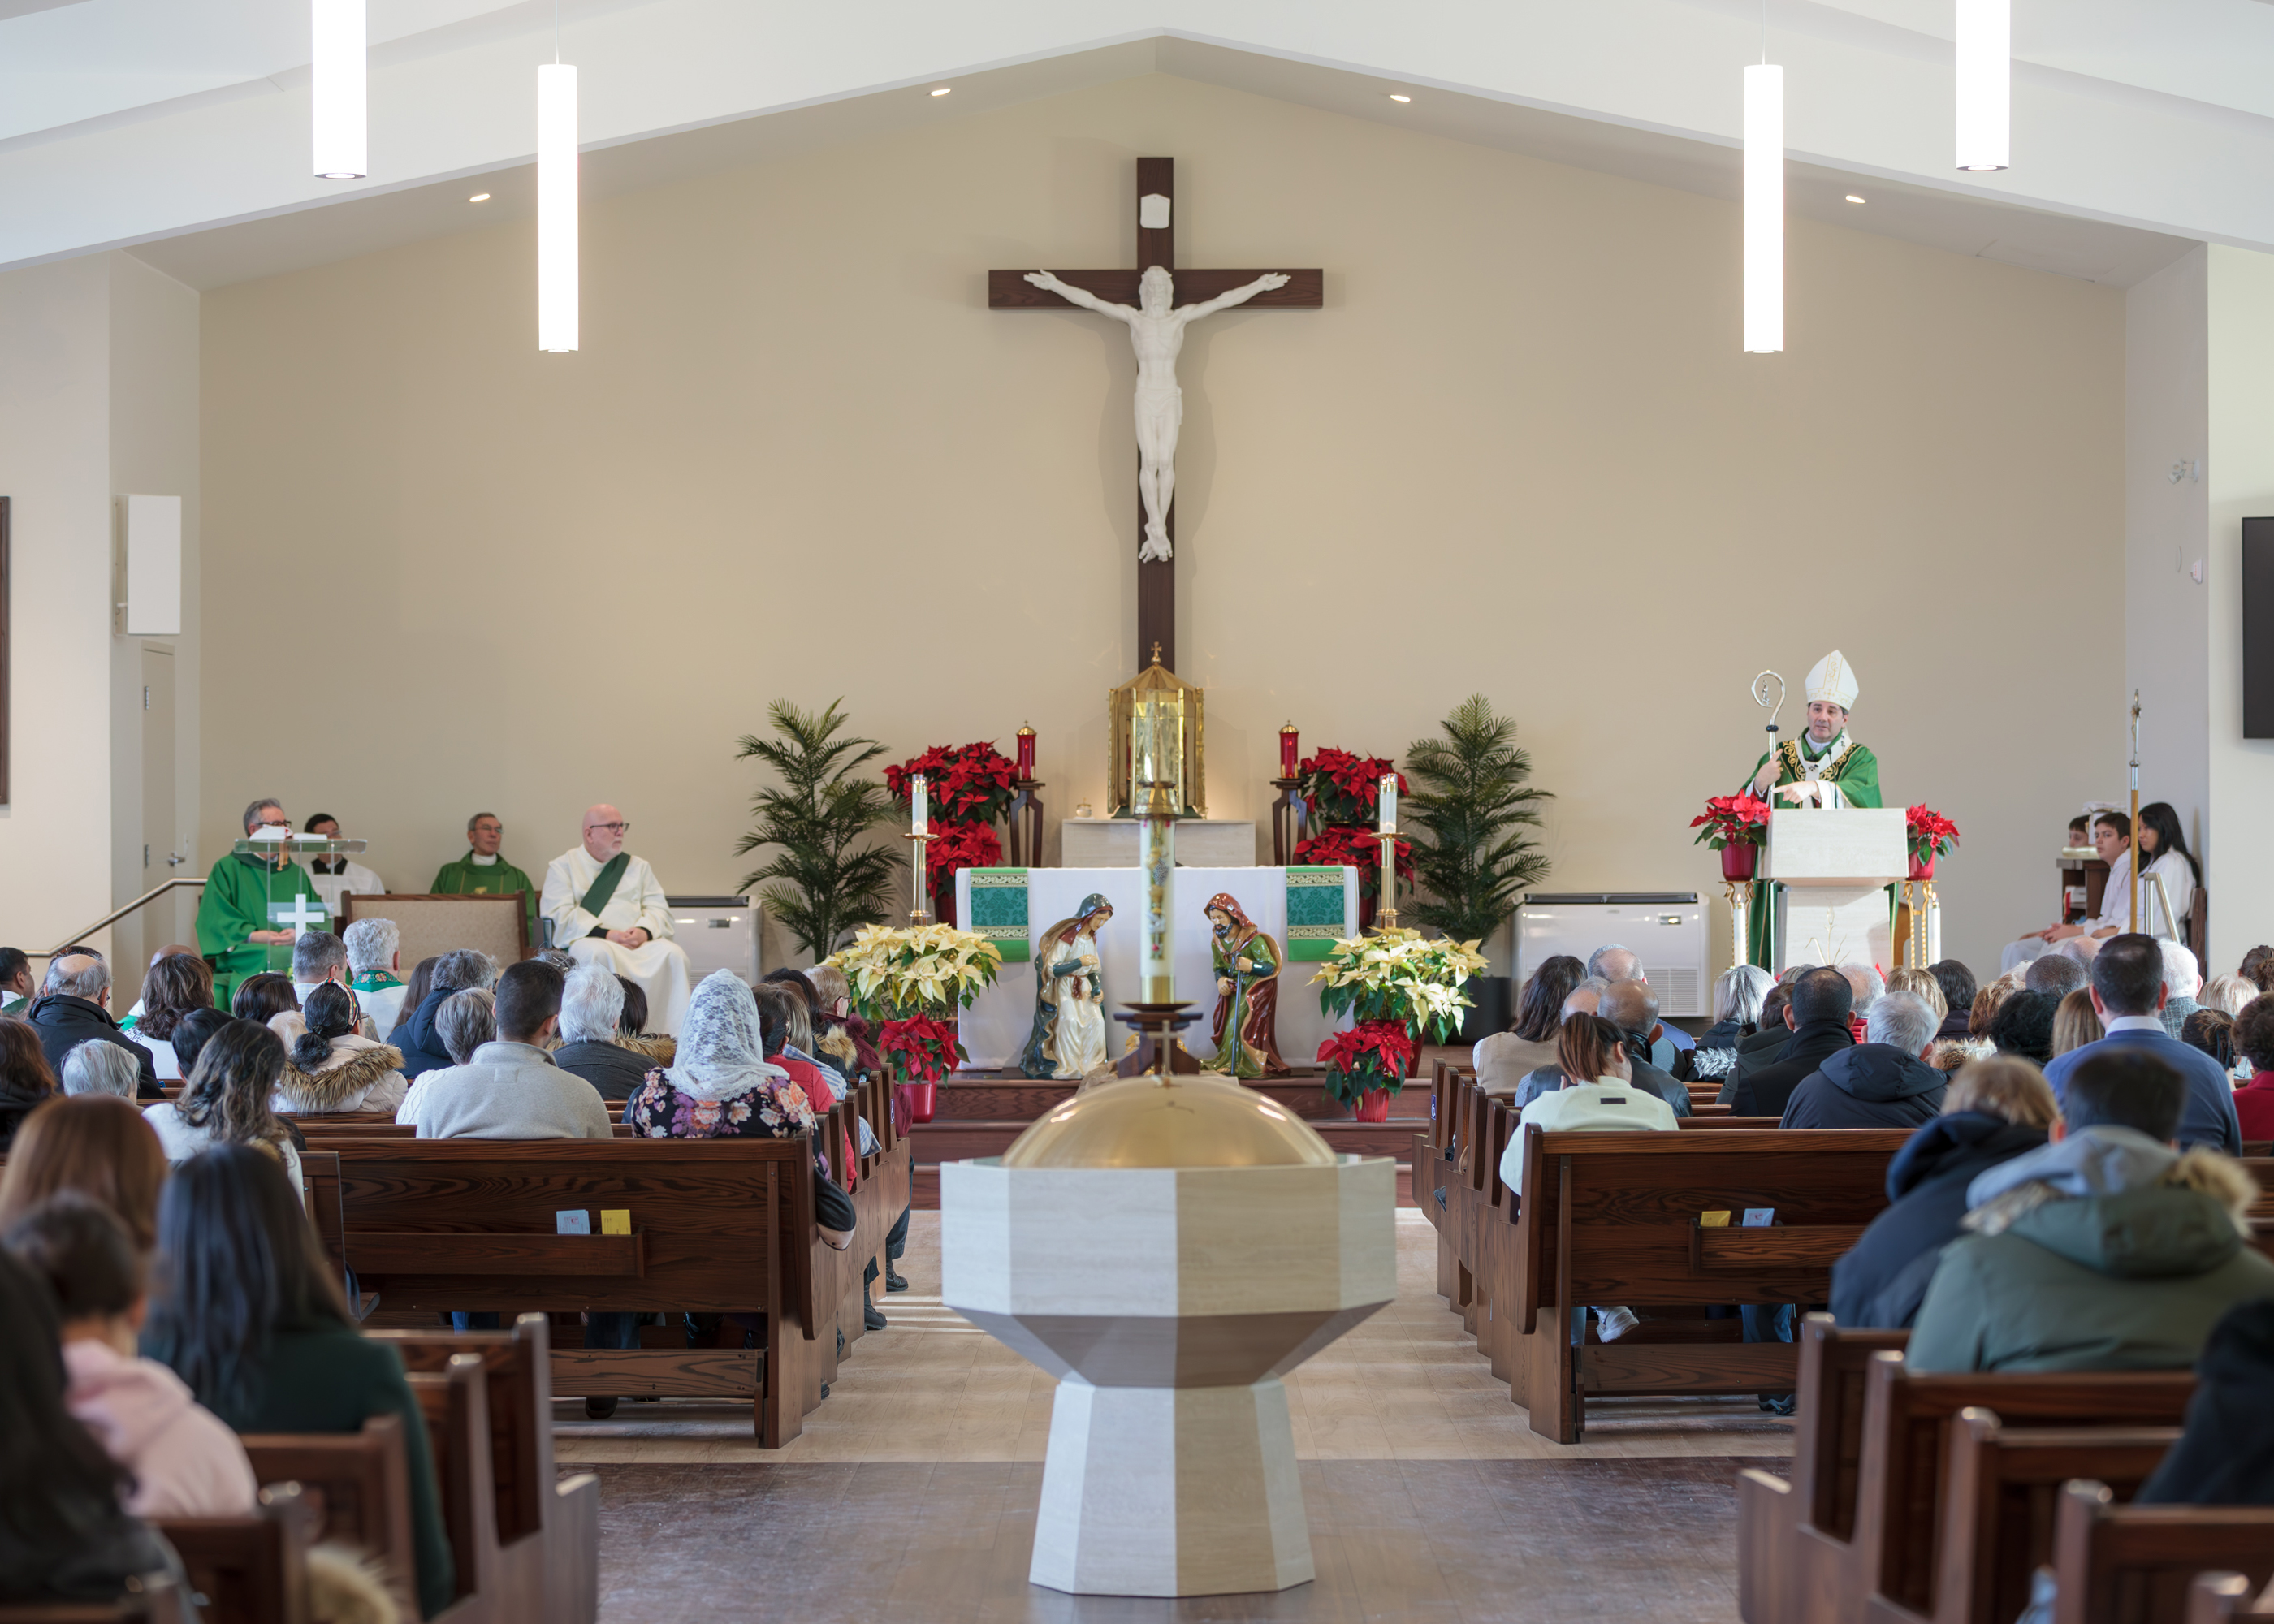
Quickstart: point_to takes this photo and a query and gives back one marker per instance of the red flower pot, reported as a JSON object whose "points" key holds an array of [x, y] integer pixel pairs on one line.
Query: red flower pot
{"points": [[1923, 867], [1373, 1106], [1737, 861], [922, 1098]]}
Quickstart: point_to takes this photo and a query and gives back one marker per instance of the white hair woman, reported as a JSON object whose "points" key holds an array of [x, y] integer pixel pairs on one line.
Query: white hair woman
{"points": [[1737, 995], [375, 970], [97, 1067], [592, 1009]]}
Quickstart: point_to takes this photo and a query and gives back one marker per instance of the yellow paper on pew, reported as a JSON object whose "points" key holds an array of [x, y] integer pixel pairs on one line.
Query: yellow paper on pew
{"points": [[618, 1219], [1705, 1221]]}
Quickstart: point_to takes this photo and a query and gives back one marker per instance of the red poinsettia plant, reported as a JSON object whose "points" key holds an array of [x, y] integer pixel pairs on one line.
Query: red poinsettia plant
{"points": [[966, 783], [1930, 834], [1355, 848], [967, 788], [1732, 820], [955, 846], [920, 1049], [1344, 788], [1372, 1055]]}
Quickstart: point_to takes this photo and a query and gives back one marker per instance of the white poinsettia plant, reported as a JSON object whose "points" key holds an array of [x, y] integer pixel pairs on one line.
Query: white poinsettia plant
{"points": [[901, 970], [1400, 976]]}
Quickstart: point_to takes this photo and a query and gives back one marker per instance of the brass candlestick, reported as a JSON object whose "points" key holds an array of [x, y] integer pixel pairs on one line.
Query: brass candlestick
{"points": [[920, 914], [1385, 912]]}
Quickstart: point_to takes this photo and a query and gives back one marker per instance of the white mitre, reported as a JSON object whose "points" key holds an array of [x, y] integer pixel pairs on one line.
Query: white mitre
{"points": [[1833, 678]]}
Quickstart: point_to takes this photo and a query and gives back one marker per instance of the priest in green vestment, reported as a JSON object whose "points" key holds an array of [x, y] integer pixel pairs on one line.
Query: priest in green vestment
{"points": [[1822, 768], [238, 927], [481, 872]]}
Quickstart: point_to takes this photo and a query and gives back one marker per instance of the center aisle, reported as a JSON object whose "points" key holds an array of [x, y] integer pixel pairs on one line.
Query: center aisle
{"points": [[911, 1493]]}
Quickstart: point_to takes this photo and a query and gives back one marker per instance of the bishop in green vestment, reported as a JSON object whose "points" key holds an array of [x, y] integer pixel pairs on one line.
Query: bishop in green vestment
{"points": [[236, 927], [481, 872], [1823, 768]]}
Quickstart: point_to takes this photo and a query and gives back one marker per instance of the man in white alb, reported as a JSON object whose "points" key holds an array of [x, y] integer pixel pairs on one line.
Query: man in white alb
{"points": [[608, 908]]}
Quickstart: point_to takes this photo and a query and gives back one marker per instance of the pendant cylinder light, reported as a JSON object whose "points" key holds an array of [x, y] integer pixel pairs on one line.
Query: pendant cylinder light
{"points": [[556, 207], [1985, 83], [335, 75], [1764, 208]]}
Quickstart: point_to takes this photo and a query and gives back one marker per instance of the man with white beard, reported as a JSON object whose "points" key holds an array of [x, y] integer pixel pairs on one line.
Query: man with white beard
{"points": [[608, 908]]}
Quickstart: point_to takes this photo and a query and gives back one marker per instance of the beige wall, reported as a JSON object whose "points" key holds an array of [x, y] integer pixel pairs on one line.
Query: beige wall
{"points": [[1519, 451]]}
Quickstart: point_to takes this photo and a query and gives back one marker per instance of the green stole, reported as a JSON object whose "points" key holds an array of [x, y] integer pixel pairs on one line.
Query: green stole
{"points": [[604, 884]]}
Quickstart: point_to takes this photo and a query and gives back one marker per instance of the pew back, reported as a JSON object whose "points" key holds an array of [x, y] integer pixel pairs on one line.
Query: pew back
{"points": [[250, 1570], [360, 1490], [2136, 1564]]}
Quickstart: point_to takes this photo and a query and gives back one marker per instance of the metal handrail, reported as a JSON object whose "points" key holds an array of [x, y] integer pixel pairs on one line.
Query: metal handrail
{"points": [[109, 919]]}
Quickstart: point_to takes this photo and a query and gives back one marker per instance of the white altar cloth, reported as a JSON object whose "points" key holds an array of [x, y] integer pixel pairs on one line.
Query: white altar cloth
{"points": [[994, 1029]]}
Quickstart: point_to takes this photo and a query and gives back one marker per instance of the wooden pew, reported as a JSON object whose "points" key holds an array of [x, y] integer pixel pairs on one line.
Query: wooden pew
{"points": [[358, 1489], [456, 1403], [1907, 1422], [720, 1226], [1999, 1488], [2137, 1564], [547, 1530], [2217, 1597], [250, 1570], [1793, 1537], [1613, 1218], [156, 1599]]}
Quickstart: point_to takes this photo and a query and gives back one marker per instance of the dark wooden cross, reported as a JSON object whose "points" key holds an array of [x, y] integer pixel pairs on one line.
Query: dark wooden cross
{"points": [[1156, 245]]}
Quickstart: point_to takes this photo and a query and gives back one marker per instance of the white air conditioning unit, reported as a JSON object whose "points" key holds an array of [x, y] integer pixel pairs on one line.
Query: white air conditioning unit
{"points": [[716, 933], [1666, 929]]}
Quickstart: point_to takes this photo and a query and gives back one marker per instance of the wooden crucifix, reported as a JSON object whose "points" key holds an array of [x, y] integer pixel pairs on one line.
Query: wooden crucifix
{"points": [[1156, 301]]}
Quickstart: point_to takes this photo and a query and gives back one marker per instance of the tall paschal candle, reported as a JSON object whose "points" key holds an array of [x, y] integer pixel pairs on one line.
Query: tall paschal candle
{"points": [[1386, 818], [919, 803]]}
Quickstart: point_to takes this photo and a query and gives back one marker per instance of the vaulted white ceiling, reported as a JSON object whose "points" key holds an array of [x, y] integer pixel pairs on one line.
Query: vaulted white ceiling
{"points": [[126, 121]]}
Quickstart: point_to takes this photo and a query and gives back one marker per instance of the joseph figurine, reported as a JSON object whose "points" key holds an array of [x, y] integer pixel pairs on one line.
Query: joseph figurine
{"points": [[1822, 768], [1247, 964]]}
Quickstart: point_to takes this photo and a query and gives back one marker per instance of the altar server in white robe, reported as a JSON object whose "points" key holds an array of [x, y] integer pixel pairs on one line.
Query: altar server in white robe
{"points": [[607, 907]]}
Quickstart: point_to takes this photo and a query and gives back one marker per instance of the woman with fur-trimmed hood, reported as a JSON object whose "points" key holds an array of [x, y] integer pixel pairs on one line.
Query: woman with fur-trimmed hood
{"points": [[327, 1068], [2107, 1250]]}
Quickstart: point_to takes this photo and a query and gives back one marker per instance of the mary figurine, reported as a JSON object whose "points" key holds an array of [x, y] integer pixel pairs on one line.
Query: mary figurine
{"points": [[1068, 1040]]}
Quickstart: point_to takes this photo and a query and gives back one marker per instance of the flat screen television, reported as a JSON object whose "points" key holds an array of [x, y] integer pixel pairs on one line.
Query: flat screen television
{"points": [[2258, 629]]}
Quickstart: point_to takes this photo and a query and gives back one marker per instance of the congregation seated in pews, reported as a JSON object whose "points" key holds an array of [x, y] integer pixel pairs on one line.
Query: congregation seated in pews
{"points": [[245, 1439], [2043, 1387]]}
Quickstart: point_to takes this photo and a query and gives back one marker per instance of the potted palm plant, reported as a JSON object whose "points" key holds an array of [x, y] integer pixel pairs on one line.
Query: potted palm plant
{"points": [[828, 879], [1471, 805]]}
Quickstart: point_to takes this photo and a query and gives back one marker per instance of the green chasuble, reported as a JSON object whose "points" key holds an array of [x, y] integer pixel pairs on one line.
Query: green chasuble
{"points": [[1855, 773], [238, 894], [468, 878]]}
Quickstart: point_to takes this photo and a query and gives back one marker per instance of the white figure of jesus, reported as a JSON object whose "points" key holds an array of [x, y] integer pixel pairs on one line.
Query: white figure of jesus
{"points": [[1157, 333]]}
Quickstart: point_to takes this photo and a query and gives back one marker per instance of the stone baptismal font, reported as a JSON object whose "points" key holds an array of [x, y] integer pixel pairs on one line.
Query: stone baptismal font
{"points": [[1168, 1250]]}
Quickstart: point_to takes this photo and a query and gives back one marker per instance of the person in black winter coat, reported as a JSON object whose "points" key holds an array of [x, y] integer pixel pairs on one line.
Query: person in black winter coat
{"points": [[74, 1011], [1997, 1109], [1880, 1083], [1817, 1014], [423, 1049], [2225, 1457]]}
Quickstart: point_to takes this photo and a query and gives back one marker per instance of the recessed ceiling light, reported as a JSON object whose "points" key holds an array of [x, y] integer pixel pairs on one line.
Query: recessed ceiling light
{"points": [[1394, 96], [479, 197], [1852, 198], [942, 90]]}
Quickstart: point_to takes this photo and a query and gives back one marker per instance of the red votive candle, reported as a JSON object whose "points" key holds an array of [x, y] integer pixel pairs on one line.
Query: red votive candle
{"points": [[1291, 750], [1026, 752]]}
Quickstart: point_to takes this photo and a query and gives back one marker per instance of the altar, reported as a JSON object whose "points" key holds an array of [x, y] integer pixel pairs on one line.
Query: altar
{"points": [[1014, 905]]}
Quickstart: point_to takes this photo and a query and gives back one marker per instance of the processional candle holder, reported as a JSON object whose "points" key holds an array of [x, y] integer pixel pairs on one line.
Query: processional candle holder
{"points": [[1026, 815], [1385, 914], [919, 832], [1290, 816]]}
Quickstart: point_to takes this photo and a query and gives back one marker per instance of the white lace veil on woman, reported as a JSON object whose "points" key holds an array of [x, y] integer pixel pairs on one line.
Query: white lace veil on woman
{"points": [[721, 1050]]}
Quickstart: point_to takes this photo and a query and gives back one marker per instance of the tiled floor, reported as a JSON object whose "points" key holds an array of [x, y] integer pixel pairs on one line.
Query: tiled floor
{"points": [[911, 1493]]}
